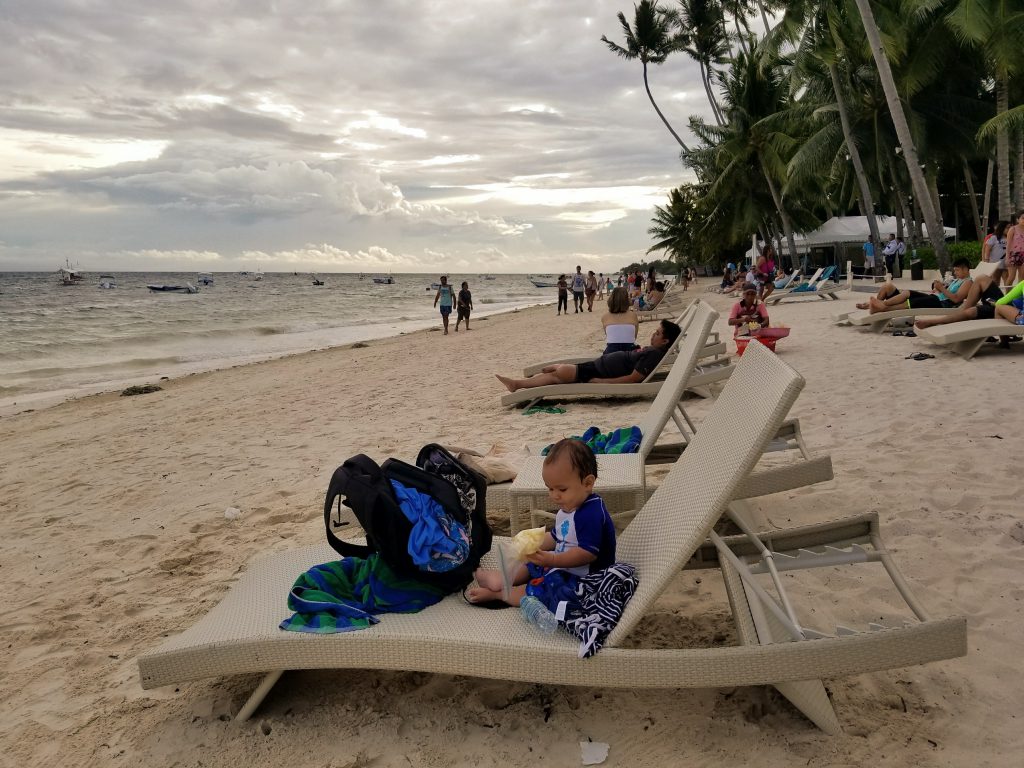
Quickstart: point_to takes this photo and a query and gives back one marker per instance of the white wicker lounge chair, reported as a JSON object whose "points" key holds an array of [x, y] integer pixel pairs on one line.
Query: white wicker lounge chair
{"points": [[968, 336], [622, 478], [707, 372], [713, 348], [241, 635], [879, 321]]}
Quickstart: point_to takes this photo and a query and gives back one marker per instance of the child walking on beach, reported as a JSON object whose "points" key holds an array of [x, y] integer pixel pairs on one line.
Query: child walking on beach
{"points": [[445, 296], [582, 541], [563, 295], [465, 306]]}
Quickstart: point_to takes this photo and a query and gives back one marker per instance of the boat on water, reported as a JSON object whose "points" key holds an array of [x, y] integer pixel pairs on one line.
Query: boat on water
{"points": [[68, 275], [488, 277], [433, 286], [186, 288], [543, 281], [205, 278], [317, 280], [258, 274], [384, 280], [108, 281]]}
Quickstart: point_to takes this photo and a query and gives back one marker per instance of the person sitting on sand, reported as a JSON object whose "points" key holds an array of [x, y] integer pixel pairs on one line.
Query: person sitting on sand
{"points": [[620, 324], [747, 311], [890, 297], [581, 542], [616, 368], [984, 302]]}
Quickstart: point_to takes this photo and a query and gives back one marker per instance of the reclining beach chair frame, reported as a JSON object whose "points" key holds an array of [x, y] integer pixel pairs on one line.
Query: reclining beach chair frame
{"points": [[821, 285], [241, 636], [968, 336], [622, 478]]}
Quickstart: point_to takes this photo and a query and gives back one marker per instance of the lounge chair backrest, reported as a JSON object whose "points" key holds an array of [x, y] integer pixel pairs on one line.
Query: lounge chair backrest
{"points": [[815, 278], [672, 389], [788, 281], [683, 321], [679, 516], [827, 274]]}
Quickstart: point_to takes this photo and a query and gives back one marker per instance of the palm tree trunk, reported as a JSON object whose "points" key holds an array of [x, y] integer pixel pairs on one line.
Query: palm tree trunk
{"points": [[988, 193], [902, 209], [899, 120], [969, 180], [655, 105], [851, 147], [739, 35], [787, 228], [1003, 149], [705, 77], [1018, 170], [764, 17]]}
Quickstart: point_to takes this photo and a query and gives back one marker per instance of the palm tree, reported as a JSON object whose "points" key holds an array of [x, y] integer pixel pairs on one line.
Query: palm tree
{"points": [[899, 119], [649, 40], [995, 27], [701, 35]]}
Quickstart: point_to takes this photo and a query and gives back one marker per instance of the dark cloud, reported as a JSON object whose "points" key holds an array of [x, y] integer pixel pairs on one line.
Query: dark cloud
{"points": [[356, 125]]}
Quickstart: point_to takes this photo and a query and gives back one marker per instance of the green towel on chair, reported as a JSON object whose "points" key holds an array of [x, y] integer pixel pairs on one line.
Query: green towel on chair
{"points": [[344, 595], [622, 440]]}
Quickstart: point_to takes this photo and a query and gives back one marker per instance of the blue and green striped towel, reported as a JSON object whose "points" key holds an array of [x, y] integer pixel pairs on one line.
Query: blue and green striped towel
{"points": [[622, 440], [345, 595]]}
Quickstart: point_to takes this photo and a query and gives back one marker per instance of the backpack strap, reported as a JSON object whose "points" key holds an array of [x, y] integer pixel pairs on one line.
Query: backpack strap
{"points": [[356, 477]]}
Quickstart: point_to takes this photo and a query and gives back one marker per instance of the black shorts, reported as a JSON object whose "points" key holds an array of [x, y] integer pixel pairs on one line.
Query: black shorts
{"points": [[985, 310], [463, 313], [920, 300], [585, 372], [992, 293]]}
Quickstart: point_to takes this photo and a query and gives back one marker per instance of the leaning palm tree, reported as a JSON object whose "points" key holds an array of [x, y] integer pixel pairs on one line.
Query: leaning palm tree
{"points": [[701, 34], [650, 41], [899, 118]]}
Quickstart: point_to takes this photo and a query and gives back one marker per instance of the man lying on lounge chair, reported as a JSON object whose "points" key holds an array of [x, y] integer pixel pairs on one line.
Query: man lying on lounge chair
{"points": [[613, 368], [985, 301], [890, 297]]}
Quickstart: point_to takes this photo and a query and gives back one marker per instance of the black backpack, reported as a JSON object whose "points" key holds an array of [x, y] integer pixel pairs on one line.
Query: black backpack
{"points": [[366, 489]]}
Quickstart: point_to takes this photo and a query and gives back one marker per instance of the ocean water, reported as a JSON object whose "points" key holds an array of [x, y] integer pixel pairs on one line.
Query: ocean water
{"points": [[57, 341]]}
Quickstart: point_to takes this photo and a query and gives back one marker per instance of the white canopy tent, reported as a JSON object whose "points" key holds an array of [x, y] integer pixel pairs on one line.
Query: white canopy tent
{"points": [[846, 229]]}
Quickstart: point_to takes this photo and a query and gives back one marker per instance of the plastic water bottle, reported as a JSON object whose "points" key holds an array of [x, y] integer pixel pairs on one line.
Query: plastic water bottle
{"points": [[537, 614]]}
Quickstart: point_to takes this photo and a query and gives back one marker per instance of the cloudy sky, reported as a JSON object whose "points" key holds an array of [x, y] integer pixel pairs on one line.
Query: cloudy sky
{"points": [[330, 135]]}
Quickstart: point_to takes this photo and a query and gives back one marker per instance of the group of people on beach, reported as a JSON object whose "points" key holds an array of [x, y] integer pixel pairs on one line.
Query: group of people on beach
{"points": [[463, 303]]}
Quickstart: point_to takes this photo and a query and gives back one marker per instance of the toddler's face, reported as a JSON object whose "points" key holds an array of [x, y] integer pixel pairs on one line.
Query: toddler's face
{"points": [[565, 487]]}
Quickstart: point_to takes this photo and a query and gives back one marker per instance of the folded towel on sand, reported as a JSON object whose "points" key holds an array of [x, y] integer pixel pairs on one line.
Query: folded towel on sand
{"points": [[344, 595]]}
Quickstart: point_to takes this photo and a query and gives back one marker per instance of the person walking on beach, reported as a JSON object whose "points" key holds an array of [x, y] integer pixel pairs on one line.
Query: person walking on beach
{"points": [[600, 285], [446, 297], [579, 285], [464, 307], [563, 295], [590, 287]]}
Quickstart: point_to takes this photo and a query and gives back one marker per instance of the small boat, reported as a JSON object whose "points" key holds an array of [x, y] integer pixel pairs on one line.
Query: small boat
{"points": [[542, 283], [108, 281], [205, 278], [433, 286], [317, 280], [186, 288], [68, 275], [258, 274], [488, 277], [384, 280]]}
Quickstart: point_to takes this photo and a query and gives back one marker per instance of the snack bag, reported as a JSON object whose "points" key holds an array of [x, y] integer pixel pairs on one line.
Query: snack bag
{"points": [[527, 542]]}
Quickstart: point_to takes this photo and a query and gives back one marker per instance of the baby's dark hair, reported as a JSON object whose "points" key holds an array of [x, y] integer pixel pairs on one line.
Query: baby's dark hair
{"points": [[579, 454]]}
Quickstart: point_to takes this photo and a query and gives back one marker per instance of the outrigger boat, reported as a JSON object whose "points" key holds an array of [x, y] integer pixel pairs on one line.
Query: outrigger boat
{"points": [[384, 280], [187, 288]]}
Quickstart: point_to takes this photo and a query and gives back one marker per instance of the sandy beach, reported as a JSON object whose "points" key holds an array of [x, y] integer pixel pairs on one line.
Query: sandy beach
{"points": [[115, 536]]}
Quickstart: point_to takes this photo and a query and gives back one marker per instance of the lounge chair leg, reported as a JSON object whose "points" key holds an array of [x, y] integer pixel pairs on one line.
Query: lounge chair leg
{"points": [[810, 698], [258, 695]]}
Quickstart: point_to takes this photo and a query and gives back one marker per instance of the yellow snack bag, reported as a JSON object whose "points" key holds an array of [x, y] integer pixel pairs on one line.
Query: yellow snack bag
{"points": [[527, 542]]}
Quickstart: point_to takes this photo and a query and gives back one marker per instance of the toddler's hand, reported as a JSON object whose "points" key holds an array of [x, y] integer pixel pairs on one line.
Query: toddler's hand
{"points": [[540, 557]]}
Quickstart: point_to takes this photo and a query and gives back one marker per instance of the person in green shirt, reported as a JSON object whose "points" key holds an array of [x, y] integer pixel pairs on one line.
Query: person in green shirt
{"points": [[984, 302]]}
